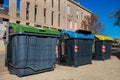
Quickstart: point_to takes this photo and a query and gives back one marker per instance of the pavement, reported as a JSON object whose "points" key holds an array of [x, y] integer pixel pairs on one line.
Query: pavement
{"points": [[2, 47], [98, 70]]}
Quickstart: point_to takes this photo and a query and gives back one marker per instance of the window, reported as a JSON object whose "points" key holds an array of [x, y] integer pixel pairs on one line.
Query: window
{"points": [[27, 23], [27, 10], [18, 8], [68, 10], [52, 18], [75, 25], [52, 3], [45, 1], [45, 16], [58, 5], [35, 11], [1, 3], [18, 22], [81, 15], [70, 24], [77, 14], [58, 20]]}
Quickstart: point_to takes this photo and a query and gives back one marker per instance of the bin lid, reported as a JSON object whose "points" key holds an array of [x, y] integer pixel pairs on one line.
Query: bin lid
{"points": [[84, 32], [72, 34], [30, 29], [100, 37]]}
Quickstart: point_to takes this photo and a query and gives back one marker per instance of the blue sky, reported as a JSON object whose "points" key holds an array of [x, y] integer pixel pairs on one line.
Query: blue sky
{"points": [[103, 8], [6, 3]]}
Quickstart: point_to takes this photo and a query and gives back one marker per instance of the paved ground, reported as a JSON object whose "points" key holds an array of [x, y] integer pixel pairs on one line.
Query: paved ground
{"points": [[99, 70], [2, 47]]}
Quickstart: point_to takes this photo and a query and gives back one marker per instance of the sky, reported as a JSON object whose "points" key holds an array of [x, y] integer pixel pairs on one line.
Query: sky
{"points": [[102, 8]]}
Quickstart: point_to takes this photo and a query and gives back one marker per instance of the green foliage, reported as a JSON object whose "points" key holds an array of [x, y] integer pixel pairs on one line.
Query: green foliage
{"points": [[115, 42], [92, 23]]}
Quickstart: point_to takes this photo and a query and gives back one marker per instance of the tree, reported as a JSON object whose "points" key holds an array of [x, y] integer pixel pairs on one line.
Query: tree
{"points": [[1, 3], [117, 16], [92, 23]]}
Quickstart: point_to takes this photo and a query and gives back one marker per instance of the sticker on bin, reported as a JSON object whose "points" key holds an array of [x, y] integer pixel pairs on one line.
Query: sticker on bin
{"points": [[76, 48], [103, 48]]}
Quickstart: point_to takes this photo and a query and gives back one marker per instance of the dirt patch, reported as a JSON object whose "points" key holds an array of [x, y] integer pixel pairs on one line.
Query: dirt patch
{"points": [[2, 46], [2, 63]]}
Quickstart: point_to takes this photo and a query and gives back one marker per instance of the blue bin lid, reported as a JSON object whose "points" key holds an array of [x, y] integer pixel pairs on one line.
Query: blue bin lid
{"points": [[72, 34]]}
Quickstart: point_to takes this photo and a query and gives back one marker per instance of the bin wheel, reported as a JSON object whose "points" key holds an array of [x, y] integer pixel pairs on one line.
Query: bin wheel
{"points": [[103, 60], [10, 71], [76, 66], [19, 75], [90, 63], [53, 66]]}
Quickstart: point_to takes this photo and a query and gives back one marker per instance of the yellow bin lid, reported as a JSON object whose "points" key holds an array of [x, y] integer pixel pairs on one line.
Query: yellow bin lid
{"points": [[100, 37]]}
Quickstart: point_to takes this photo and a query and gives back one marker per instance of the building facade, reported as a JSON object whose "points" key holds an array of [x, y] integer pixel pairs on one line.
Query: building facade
{"points": [[57, 14]]}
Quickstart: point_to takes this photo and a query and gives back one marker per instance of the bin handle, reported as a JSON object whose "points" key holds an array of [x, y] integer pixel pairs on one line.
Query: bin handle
{"points": [[17, 67]]}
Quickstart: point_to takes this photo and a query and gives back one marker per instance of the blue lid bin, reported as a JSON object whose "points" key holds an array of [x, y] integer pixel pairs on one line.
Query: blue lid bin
{"points": [[75, 48]]}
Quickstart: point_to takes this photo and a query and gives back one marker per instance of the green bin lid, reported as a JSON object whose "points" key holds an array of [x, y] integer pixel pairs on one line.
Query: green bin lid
{"points": [[30, 29]]}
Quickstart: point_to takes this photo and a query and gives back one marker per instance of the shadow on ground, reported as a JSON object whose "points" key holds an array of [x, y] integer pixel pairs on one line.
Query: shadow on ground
{"points": [[116, 52]]}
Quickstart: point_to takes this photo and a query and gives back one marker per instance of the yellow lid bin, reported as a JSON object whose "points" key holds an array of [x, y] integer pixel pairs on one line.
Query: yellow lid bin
{"points": [[103, 47], [103, 38]]}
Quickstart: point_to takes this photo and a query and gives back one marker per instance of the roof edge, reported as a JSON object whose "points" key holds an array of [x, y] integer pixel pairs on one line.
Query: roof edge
{"points": [[76, 3]]}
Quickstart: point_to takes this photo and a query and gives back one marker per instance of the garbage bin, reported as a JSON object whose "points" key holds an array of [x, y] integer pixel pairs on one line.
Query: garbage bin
{"points": [[75, 48], [103, 46], [31, 50]]}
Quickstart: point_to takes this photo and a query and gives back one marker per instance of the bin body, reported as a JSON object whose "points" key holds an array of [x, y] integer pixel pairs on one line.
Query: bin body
{"points": [[80, 57], [29, 54], [101, 54]]}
